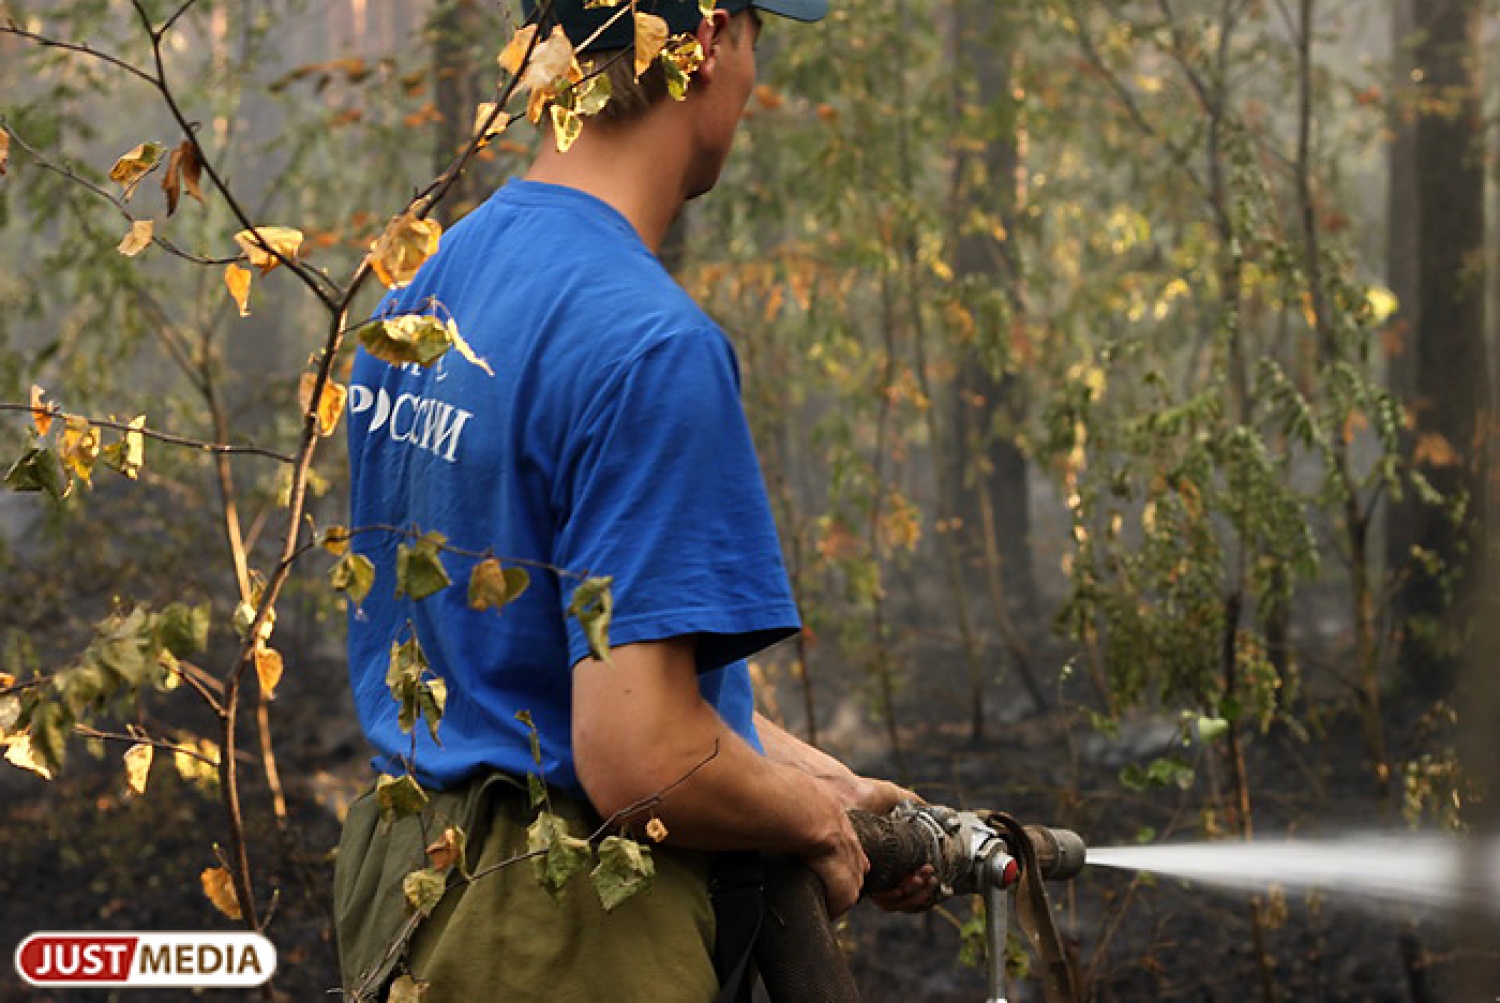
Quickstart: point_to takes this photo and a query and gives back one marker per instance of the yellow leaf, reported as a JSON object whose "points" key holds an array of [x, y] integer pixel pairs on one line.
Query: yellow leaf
{"points": [[467, 351], [335, 540], [138, 767], [407, 990], [283, 240], [18, 752], [482, 118], [237, 280], [650, 38], [219, 887], [142, 233], [192, 768], [41, 413], [135, 165], [1382, 302], [330, 402], [80, 447], [4, 151], [514, 53], [567, 126], [535, 105], [401, 251], [129, 453], [268, 667], [656, 830]]}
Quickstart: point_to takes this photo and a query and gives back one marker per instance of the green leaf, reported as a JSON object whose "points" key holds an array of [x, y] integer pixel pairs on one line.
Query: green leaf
{"points": [[244, 617], [399, 797], [354, 574], [534, 785], [128, 455], [494, 587], [126, 648], [432, 699], [419, 338], [424, 889], [593, 605], [625, 868], [404, 679], [677, 79], [560, 856], [419, 568], [593, 95], [1170, 772], [183, 629], [1210, 728], [36, 470], [51, 724]]}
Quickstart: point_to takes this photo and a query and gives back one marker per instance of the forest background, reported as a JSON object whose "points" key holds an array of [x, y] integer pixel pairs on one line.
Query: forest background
{"points": [[1120, 371]]}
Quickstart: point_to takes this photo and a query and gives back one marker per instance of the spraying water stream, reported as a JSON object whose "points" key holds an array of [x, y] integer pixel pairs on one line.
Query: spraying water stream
{"points": [[1435, 871]]}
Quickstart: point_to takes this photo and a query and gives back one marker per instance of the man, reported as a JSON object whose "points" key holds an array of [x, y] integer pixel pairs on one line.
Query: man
{"points": [[609, 441]]}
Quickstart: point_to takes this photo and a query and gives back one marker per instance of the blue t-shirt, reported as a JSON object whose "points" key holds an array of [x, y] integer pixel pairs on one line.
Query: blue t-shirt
{"points": [[610, 441]]}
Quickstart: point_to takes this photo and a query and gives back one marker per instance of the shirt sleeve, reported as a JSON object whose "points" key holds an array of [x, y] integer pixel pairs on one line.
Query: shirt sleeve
{"points": [[662, 492]]}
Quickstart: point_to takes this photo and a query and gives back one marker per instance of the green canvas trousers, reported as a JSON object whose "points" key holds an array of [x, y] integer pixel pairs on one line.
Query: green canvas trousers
{"points": [[503, 937]]}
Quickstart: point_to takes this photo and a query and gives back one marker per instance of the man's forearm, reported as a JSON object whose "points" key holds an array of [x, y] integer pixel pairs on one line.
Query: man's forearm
{"points": [[641, 729], [783, 747], [852, 790]]}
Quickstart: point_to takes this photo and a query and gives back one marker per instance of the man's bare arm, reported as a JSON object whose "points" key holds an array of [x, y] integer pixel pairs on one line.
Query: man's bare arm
{"points": [[640, 726], [919, 890], [852, 790]]}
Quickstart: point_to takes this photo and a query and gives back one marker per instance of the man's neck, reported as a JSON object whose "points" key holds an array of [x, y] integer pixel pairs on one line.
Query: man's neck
{"points": [[639, 169]]}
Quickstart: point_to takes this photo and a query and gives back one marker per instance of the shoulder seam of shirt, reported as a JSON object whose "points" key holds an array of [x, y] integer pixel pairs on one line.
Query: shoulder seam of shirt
{"points": [[632, 359]]}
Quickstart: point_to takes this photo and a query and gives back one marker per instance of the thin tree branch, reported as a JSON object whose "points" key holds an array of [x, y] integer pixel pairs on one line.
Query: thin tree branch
{"points": [[54, 411], [82, 48], [172, 747], [66, 172], [316, 282]]}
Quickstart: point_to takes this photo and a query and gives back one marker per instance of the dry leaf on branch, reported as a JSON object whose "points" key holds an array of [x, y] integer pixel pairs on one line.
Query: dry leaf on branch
{"points": [[134, 166], [138, 767], [219, 887], [184, 170], [142, 233], [650, 38], [283, 240], [268, 669], [237, 280], [41, 414], [330, 402], [403, 248]]}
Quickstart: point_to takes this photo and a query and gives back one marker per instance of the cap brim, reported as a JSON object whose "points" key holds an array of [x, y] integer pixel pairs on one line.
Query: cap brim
{"points": [[797, 10]]}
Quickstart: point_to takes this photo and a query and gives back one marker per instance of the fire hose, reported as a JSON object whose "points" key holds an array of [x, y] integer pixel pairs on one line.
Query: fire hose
{"points": [[987, 854]]}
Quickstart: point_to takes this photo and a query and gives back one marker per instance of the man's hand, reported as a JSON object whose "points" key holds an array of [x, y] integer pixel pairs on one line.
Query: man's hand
{"points": [[919, 890], [841, 866]]}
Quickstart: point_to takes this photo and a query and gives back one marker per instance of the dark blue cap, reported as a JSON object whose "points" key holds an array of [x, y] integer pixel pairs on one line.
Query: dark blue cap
{"points": [[580, 21]]}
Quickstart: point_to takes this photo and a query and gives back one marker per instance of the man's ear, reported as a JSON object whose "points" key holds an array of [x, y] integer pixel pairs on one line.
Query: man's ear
{"points": [[712, 33]]}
